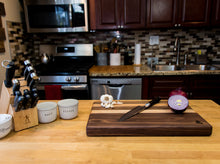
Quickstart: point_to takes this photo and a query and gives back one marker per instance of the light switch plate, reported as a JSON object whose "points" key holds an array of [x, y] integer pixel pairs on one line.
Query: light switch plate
{"points": [[154, 40]]}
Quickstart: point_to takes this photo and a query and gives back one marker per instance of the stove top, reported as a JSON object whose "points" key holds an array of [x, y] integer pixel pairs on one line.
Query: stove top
{"points": [[66, 66]]}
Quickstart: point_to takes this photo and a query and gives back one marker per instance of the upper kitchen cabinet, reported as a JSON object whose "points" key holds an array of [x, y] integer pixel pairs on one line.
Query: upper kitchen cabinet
{"points": [[194, 13], [161, 13], [216, 13], [184, 13], [117, 14]]}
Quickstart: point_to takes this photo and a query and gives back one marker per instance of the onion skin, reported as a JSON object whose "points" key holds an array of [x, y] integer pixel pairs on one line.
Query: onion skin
{"points": [[178, 91], [178, 101]]}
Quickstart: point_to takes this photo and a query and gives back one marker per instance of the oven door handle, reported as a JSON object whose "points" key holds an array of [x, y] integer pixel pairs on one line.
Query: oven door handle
{"points": [[75, 87]]}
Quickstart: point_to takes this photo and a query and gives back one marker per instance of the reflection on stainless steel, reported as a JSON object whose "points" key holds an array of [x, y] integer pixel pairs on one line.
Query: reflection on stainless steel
{"points": [[161, 67]]}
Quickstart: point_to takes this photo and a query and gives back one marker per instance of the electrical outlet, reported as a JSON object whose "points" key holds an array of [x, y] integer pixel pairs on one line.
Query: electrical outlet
{"points": [[154, 40], [153, 60]]}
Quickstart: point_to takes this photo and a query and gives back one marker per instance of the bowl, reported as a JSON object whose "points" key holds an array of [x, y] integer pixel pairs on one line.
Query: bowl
{"points": [[68, 108], [5, 124], [47, 112]]}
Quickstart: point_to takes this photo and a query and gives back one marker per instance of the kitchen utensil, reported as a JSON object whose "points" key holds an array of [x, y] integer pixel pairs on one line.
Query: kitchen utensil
{"points": [[10, 71], [27, 99], [47, 112], [27, 74], [19, 103], [32, 76], [34, 98], [45, 58], [34, 81], [16, 86], [139, 109], [5, 124], [68, 108]]}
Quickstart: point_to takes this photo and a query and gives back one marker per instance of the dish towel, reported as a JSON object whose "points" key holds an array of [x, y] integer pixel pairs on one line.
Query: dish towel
{"points": [[53, 92]]}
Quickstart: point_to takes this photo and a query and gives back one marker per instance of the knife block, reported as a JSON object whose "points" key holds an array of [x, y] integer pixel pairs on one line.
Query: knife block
{"points": [[22, 119]]}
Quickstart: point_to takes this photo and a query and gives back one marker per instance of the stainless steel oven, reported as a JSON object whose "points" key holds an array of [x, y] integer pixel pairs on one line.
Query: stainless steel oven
{"points": [[67, 72], [56, 15]]}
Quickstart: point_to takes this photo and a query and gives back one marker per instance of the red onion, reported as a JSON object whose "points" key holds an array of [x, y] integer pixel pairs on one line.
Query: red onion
{"points": [[178, 101]]}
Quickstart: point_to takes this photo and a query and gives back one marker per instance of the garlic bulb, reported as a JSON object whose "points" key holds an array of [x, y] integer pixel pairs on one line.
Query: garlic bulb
{"points": [[106, 101]]}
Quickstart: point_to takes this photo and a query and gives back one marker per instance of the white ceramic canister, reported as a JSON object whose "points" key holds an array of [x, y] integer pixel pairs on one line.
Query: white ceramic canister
{"points": [[115, 59], [47, 112], [68, 108]]}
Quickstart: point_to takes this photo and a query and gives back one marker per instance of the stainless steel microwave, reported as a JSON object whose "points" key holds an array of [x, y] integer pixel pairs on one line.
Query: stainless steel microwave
{"points": [[56, 15]]}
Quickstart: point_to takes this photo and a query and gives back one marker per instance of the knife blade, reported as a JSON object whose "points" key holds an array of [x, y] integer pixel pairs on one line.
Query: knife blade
{"points": [[139, 109]]}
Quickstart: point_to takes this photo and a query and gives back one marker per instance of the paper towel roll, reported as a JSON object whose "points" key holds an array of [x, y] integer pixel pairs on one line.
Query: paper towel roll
{"points": [[115, 59], [137, 55]]}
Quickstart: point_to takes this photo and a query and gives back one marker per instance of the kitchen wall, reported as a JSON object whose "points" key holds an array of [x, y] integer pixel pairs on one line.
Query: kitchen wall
{"points": [[12, 9], [191, 41]]}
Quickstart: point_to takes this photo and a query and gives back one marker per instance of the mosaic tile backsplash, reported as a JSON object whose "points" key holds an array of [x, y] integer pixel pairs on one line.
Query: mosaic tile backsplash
{"points": [[191, 40]]}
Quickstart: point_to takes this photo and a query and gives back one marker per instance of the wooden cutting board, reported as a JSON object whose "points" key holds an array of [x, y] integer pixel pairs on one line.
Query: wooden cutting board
{"points": [[158, 120]]}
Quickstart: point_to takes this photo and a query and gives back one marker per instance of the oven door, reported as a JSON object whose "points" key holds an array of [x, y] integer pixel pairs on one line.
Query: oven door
{"points": [[74, 91]]}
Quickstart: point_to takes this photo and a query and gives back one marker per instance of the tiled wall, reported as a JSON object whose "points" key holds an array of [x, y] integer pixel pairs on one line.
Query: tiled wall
{"points": [[191, 41]]}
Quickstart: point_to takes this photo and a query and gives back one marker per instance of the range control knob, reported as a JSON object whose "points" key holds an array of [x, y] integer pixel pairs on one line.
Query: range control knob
{"points": [[76, 79], [68, 79]]}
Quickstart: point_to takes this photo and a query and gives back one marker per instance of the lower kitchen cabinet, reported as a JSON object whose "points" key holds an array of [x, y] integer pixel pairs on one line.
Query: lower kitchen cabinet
{"points": [[196, 86]]}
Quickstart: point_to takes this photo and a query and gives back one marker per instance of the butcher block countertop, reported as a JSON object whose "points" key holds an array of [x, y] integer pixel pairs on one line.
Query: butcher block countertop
{"points": [[142, 70], [65, 141]]}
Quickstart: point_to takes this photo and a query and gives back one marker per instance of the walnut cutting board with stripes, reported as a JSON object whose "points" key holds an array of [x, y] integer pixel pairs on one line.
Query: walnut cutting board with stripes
{"points": [[158, 120]]}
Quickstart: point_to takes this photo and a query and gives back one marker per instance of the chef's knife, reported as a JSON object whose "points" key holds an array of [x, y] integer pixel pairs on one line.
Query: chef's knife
{"points": [[139, 109]]}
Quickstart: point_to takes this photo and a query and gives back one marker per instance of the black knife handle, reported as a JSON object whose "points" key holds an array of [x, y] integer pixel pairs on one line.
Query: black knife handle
{"points": [[27, 101], [17, 94], [16, 86], [152, 102], [19, 104], [27, 74], [35, 99]]}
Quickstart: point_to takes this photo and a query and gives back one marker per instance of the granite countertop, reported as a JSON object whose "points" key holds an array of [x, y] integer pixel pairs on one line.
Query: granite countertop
{"points": [[142, 70]]}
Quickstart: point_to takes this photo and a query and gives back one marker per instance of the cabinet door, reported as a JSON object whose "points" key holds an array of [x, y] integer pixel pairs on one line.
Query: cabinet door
{"points": [[205, 87], [163, 85], [216, 13], [132, 14], [161, 13], [194, 12], [104, 14]]}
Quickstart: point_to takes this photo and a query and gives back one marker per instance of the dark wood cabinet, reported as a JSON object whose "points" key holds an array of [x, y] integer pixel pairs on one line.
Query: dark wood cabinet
{"points": [[194, 13], [178, 13], [163, 85], [117, 14], [216, 13], [161, 13], [196, 87]]}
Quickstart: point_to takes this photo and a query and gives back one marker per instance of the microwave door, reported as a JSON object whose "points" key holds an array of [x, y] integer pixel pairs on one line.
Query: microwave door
{"points": [[49, 16]]}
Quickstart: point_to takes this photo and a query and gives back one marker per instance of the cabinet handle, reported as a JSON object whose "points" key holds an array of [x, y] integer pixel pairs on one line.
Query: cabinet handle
{"points": [[119, 26], [175, 25], [179, 25], [122, 26]]}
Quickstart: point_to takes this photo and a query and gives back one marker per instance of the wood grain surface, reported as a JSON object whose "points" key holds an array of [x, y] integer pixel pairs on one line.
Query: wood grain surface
{"points": [[66, 142], [158, 120]]}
